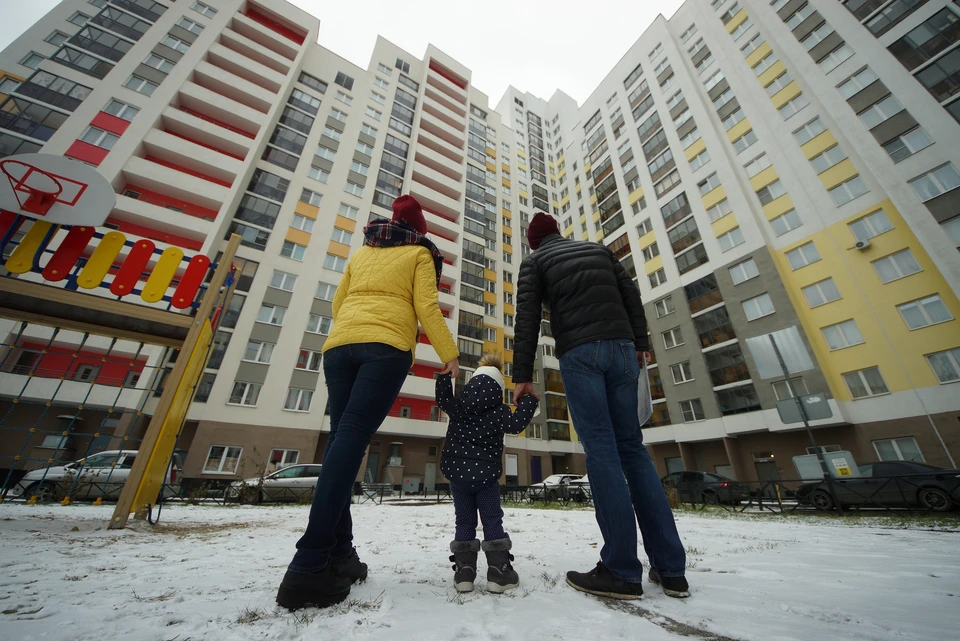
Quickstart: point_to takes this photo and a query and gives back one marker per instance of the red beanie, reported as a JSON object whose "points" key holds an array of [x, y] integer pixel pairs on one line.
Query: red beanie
{"points": [[542, 225], [407, 209]]}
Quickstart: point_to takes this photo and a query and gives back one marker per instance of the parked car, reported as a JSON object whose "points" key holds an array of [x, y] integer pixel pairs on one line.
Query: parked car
{"points": [[889, 484], [555, 487], [583, 484], [292, 483], [100, 475], [706, 487]]}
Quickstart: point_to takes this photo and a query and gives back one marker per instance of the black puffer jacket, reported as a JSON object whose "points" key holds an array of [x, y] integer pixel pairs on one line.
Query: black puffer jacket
{"points": [[473, 452], [590, 296]]}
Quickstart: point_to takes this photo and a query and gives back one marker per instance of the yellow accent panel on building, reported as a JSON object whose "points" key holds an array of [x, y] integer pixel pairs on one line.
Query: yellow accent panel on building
{"points": [[758, 54], [578, 188], [508, 287], [504, 167], [764, 178], [872, 305], [491, 166], [653, 264], [338, 249], [585, 236], [786, 94], [507, 249], [297, 236], [505, 182], [507, 213], [842, 171], [521, 166], [600, 235], [489, 274], [737, 20], [524, 194], [739, 129], [563, 172], [586, 167], [345, 223], [306, 210], [593, 199], [491, 152], [778, 207], [509, 309], [723, 225], [490, 297], [771, 74], [596, 216], [565, 200], [583, 220], [635, 195], [818, 145], [714, 196], [521, 153], [647, 239], [693, 150]]}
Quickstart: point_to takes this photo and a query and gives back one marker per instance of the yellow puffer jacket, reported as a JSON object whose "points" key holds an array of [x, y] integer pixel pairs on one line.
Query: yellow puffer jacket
{"points": [[383, 293]]}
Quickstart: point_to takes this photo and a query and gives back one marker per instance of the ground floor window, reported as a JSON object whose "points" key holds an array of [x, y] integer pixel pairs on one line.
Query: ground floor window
{"points": [[280, 459], [222, 459], [898, 449]]}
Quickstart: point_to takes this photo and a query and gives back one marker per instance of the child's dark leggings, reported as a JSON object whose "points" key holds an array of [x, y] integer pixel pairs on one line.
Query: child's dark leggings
{"points": [[467, 501]]}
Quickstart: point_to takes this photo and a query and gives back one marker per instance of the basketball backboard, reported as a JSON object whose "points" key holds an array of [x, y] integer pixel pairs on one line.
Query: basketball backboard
{"points": [[55, 189]]}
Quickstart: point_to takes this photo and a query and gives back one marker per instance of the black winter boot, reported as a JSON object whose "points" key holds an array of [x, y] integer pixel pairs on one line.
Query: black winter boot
{"points": [[675, 586], [351, 567], [500, 574], [464, 564], [600, 581], [319, 589]]}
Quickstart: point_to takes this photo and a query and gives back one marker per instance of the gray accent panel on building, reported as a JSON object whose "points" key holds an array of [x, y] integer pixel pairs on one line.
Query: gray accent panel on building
{"points": [[333, 123], [790, 8], [361, 157], [490, 198], [617, 122], [367, 139], [329, 142], [636, 101], [825, 46], [265, 332], [663, 171], [251, 372], [679, 109], [803, 29], [867, 96], [945, 206], [666, 73], [627, 155], [153, 75], [164, 51], [274, 296], [631, 175], [728, 109], [720, 87], [700, 56], [894, 126], [321, 307], [313, 341], [322, 163], [360, 179], [303, 379], [686, 128], [181, 33], [656, 150]]}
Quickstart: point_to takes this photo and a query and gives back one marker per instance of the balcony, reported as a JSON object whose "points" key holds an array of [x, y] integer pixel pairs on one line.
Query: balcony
{"points": [[176, 184], [434, 95], [418, 387], [427, 355], [232, 86], [437, 181], [189, 155], [265, 36], [247, 68], [438, 203], [441, 146], [220, 110], [149, 212], [437, 110], [423, 426], [47, 387], [443, 131], [449, 248], [447, 87], [439, 163], [194, 128], [254, 50]]}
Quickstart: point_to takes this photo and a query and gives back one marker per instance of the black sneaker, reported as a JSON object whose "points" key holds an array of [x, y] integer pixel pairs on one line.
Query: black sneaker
{"points": [[675, 586], [351, 567], [600, 581], [318, 589]]}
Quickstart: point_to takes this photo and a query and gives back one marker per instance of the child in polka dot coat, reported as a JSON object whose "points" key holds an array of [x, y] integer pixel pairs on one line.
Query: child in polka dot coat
{"points": [[472, 462]]}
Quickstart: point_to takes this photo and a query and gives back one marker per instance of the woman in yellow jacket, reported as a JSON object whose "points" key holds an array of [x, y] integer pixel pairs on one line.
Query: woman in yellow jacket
{"points": [[390, 285]]}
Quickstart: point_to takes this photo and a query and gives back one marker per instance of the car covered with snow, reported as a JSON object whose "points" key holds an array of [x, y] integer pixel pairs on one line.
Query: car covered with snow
{"points": [[293, 483]]}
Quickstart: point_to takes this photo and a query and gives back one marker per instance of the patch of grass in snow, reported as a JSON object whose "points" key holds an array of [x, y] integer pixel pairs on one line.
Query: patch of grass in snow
{"points": [[166, 596], [357, 605], [543, 505], [251, 615], [549, 580]]}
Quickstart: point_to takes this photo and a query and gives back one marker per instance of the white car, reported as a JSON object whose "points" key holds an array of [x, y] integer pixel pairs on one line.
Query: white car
{"points": [[293, 483], [584, 484], [100, 475], [554, 487]]}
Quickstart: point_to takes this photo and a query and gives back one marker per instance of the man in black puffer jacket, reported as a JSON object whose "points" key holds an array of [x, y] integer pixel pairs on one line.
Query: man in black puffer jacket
{"points": [[601, 332]]}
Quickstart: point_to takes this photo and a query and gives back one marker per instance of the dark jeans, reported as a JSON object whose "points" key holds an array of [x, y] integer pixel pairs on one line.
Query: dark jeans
{"points": [[363, 381], [600, 379], [467, 501]]}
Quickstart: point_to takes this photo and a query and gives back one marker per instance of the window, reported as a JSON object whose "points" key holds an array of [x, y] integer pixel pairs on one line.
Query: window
{"points": [[880, 112], [508, 320], [865, 382], [121, 110], [244, 394], [730, 239], [317, 324], [669, 182], [298, 400], [348, 211], [924, 312], [905, 145], [742, 272], [175, 43], [344, 98], [681, 372], [204, 10], [271, 314], [821, 293], [692, 29], [745, 141], [752, 45], [335, 263], [292, 250], [845, 334], [650, 252], [56, 38], [657, 278], [896, 266], [792, 107], [159, 63], [302, 223], [933, 183], [140, 85], [189, 25], [258, 352], [341, 236], [827, 159], [771, 192], [783, 391], [222, 459], [403, 65], [713, 80], [311, 198], [353, 188], [692, 410], [690, 138], [309, 360], [708, 184], [848, 190], [664, 307], [871, 225], [730, 121], [99, 138], [79, 19], [672, 338], [778, 83], [364, 148], [803, 255], [946, 365], [719, 210], [758, 307], [699, 160], [283, 280], [835, 58], [809, 131], [768, 61], [757, 165], [359, 167], [325, 291], [644, 228]]}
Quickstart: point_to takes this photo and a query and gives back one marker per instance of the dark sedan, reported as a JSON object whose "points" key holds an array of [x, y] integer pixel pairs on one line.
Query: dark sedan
{"points": [[889, 484], [705, 487]]}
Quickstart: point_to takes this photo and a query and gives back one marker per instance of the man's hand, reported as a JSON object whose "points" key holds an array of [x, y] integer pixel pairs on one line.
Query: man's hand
{"points": [[524, 389], [643, 357], [452, 368]]}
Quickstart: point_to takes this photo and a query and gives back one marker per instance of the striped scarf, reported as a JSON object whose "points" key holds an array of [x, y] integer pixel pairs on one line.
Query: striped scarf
{"points": [[381, 232]]}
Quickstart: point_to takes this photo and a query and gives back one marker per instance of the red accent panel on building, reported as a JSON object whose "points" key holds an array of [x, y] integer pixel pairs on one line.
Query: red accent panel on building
{"points": [[154, 234], [60, 362], [216, 122], [419, 408], [275, 26], [202, 144], [162, 200], [184, 170], [86, 152], [442, 71], [424, 371], [110, 123]]}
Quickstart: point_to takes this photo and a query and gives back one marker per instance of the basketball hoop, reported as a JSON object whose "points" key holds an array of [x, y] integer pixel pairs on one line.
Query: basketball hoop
{"points": [[37, 197]]}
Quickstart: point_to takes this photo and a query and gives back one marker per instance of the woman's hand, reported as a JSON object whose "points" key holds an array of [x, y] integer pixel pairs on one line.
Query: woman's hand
{"points": [[452, 368]]}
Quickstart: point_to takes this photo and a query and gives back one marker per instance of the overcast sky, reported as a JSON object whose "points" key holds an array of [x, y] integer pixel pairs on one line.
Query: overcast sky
{"points": [[535, 45]]}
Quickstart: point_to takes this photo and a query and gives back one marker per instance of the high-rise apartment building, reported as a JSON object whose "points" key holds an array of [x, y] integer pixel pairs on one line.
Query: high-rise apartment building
{"points": [[785, 169]]}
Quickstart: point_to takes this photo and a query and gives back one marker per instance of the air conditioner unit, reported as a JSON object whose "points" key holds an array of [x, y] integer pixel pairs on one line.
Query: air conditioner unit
{"points": [[860, 245]]}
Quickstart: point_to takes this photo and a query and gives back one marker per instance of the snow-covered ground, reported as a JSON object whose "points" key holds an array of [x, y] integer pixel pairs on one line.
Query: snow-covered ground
{"points": [[211, 573]]}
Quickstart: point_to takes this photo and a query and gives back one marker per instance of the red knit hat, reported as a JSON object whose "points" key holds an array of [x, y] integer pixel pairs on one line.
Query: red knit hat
{"points": [[542, 225], [407, 209]]}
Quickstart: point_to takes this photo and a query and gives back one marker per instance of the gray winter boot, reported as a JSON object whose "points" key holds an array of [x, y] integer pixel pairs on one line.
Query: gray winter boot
{"points": [[500, 574], [464, 564]]}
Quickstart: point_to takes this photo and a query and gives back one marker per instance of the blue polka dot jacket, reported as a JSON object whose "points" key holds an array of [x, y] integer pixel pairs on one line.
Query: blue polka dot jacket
{"points": [[473, 451]]}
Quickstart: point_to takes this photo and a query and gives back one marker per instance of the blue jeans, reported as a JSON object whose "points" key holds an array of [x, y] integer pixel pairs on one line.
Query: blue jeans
{"points": [[363, 381], [600, 379], [468, 501]]}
